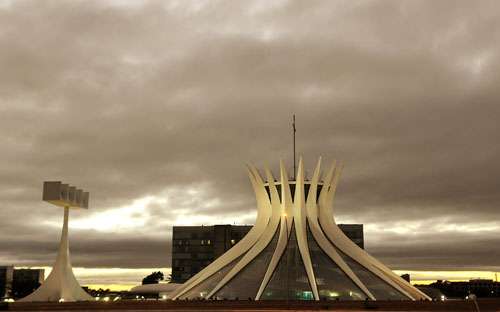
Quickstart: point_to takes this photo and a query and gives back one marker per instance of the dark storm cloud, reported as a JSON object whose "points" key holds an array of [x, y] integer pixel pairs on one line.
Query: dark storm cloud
{"points": [[130, 101], [135, 252], [455, 251]]}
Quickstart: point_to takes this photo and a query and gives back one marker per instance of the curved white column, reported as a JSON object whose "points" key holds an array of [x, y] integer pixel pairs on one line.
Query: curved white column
{"points": [[61, 284], [259, 246], [319, 237], [343, 243], [300, 217], [286, 197], [282, 238], [263, 215]]}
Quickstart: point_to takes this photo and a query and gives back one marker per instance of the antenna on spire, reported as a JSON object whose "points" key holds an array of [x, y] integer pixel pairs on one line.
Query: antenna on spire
{"points": [[294, 163]]}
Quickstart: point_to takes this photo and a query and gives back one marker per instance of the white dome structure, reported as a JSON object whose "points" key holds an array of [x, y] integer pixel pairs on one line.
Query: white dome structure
{"points": [[296, 250]]}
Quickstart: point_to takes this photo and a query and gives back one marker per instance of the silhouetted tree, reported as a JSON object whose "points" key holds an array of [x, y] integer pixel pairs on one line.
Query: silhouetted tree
{"points": [[153, 278]]}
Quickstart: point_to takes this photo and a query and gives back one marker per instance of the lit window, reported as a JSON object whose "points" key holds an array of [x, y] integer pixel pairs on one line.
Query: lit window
{"points": [[209, 242]]}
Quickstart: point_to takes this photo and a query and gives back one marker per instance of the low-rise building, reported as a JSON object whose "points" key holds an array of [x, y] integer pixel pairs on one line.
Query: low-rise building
{"points": [[195, 247], [6, 277], [26, 281]]}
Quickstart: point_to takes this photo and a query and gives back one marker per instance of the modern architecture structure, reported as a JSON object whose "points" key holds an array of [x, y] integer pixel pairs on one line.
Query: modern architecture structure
{"points": [[6, 278], [296, 250], [195, 247], [61, 284]]}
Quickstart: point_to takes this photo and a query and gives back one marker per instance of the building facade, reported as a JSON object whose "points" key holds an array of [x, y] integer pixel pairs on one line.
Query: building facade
{"points": [[355, 233], [17, 283], [6, 277], [195, 247], [26, 281]]}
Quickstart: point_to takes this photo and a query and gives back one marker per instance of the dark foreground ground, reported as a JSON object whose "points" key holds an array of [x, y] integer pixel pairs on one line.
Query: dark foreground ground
{"points": [[483, 305]]}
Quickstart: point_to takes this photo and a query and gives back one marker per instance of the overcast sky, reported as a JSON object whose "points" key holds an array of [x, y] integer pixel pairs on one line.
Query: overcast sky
{"points": [[155, 107]]}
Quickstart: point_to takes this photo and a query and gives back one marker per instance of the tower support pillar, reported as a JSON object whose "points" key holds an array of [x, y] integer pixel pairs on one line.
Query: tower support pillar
{"points": [[61, 284]]}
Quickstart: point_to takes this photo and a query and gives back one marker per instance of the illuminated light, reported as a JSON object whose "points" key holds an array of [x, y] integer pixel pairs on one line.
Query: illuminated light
{"points": [[443, 297], [8, 300], [350, 293], [203, 294], [307, 295], [335, 294], [105, 299], [97, 298], [61, 300], [164, 297], [117, 298]]}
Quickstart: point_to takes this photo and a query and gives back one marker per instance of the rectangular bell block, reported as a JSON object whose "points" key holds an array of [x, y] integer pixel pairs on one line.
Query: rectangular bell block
{"points": [[72, 195], [64, 191], [78, 197], [64, 195], [85, 200]]}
